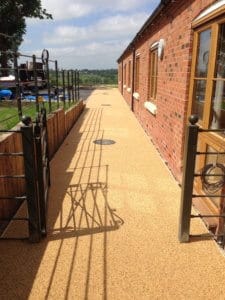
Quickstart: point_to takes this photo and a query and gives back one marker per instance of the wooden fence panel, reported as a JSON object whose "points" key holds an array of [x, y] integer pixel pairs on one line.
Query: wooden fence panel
{"points": [[11, 165], [61, 126], [58, 125]]}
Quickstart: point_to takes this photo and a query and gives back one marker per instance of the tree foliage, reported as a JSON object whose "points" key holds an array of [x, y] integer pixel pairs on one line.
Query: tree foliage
{"points": [[13, 14], [13, 23], [96, 77]]}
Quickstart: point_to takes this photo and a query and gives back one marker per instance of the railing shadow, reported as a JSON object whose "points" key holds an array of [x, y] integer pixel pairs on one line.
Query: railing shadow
{"points": [[78, 209], [94, 211]]}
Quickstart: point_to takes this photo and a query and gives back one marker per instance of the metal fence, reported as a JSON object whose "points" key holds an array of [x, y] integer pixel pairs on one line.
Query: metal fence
{"points": [[211, 178], [36, 176], [26, 79]]}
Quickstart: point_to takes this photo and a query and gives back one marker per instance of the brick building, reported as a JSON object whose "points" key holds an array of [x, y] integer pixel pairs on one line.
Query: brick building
{"points": [[172, 68]]}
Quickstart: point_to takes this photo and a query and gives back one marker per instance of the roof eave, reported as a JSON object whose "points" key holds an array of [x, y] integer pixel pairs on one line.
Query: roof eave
{"points": [[155, 13]]}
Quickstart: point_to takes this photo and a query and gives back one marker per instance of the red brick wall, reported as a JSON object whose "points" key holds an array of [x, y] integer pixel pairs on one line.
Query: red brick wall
{"points": [[167, 127]]}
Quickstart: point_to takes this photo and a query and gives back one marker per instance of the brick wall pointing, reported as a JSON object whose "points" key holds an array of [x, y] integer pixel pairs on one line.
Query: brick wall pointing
{"points": [[167, 127]]}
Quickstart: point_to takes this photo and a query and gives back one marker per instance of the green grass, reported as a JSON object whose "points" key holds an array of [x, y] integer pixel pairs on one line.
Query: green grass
{"points": [[9, 112]]}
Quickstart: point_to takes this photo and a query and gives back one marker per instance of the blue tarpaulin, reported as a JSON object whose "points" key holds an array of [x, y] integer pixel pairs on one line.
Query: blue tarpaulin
{"points": [[5, 94]]}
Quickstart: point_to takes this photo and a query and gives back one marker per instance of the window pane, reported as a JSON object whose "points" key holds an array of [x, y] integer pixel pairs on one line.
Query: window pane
{"points": [[153, 73], [152, 87], [137, 74], [156, 63], [220, 61], [218, 105], [203, 53], [129, 73], [199, 97]]}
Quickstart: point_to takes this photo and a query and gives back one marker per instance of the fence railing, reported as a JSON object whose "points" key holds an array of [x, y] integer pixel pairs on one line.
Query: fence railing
{"points": [[211, 178], [29, 78]]}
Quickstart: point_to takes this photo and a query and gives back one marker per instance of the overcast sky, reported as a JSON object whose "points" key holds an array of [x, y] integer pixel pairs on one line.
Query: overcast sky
{"points": [[87, 33]]}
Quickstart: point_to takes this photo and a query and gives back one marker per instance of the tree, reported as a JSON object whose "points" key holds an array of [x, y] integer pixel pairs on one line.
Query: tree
{"points": [[13, 14]]}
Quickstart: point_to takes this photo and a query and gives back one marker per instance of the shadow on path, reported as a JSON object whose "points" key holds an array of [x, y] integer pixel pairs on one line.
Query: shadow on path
{"points": [[78, 207]]}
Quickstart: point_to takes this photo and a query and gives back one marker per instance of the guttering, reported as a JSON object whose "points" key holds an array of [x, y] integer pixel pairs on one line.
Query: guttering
{"points": [[149, 21]]}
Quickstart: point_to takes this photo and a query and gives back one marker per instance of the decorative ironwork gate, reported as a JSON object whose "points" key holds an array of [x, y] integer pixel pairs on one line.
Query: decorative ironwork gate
{"points": [[36, 175], [211, 179]]}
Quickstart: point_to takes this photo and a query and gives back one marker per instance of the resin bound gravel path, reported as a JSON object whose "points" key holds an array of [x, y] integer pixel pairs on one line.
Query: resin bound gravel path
{"points": [[112, 222]]}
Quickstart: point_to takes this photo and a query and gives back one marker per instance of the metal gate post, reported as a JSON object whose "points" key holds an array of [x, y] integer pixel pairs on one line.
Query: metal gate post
{"points": [[18, 98], [72, 75], [39, 165], [31, 187], [64, 89], [42, 166], [35, 82], [68, 87], [57, 82], [75, 79], [190, 149]]}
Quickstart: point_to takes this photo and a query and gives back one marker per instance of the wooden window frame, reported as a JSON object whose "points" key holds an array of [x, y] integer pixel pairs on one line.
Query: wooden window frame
{"points": [[129, 74], [207, 139], [214, 25], [153, 73], [209, 14], [125, 74], [137, 74]]}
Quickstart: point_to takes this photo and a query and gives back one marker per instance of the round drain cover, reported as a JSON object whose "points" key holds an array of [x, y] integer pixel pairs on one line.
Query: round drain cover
{"points": [[104, 142]]}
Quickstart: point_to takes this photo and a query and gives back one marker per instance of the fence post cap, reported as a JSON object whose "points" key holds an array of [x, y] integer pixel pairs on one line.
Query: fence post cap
{"points": [[193, 119], [26, 120]]}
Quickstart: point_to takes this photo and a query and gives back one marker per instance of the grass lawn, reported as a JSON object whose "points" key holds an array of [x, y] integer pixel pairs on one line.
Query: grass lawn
{"points": [[9, 111]]}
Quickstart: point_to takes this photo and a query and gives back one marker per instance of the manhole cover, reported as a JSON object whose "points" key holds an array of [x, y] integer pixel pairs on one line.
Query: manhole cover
{"points": [[106, 104], [104, 142]]}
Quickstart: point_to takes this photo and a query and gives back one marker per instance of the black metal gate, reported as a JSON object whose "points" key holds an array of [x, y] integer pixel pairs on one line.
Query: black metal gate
{"points": [[214, 189], [36, 175]]}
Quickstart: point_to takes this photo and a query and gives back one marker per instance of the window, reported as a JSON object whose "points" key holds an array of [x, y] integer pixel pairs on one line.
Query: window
{"points": [[125, 74], [137, 74], [207, 91], [207, 88], [119, 73], [129, 73], [153, 73]]}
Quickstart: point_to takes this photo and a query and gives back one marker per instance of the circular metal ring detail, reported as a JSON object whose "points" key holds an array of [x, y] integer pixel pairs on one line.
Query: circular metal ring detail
{"points": [[45, 56]]}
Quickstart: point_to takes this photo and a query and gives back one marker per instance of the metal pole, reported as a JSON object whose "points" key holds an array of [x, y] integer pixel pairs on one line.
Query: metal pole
{"points": [[188, 178], [31, 183], [57, 83], [72, 73], [68, 85], [18, 98], [42, 164], [49, 88], [64, 88], [75, 80], [35, 82], [78, 85]]}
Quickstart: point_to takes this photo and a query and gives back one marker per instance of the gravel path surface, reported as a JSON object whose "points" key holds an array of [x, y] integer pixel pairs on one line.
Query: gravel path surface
{"points": [[112, 222]]}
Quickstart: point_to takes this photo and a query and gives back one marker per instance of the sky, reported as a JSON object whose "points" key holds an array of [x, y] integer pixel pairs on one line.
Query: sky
{"points": [[86, 34]]}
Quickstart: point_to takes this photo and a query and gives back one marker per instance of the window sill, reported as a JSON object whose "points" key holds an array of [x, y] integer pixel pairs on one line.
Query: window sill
{"points": [[151, 107], [136, 96], [129, 90]]}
